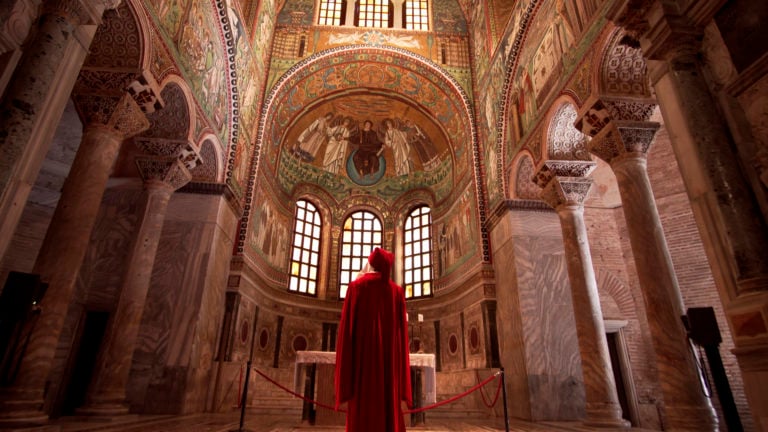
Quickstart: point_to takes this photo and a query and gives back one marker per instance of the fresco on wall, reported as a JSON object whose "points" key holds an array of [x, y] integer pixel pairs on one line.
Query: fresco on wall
{"points": [[456, 235], [190, 26], [268, 233], [449, 18], [480, 42], [297, 12]]}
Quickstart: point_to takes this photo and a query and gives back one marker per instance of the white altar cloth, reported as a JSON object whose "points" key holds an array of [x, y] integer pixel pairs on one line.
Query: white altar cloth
{"points": [[423, 361]]}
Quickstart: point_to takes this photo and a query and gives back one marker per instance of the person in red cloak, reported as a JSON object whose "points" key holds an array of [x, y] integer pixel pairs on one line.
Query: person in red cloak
{"points": [[372, 367]]}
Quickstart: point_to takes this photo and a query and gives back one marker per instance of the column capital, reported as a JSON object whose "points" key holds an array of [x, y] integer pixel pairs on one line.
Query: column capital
{"points": [[564, 182], [665, 29], [146, 92], [168, 170], [598, 111], [618, 126], [79, 12], [119, 113], [182, 150]]}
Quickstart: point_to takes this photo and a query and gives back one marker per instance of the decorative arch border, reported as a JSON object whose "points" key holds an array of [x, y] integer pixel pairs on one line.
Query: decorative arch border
{"points": [[609, 42], [411, 200], [511, 69], [146, 27], [219, 152], [515, 170], [363, 202], [558, 105], [318, 196], [227, 39], [309, 66], [189, 97]]}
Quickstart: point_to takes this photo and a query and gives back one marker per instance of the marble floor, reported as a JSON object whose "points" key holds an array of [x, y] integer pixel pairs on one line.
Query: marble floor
{"points": [[255, 422]]}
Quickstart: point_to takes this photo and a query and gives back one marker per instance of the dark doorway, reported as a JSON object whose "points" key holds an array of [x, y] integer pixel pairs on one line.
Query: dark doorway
{"points": [[87, 348], [613, 350]]}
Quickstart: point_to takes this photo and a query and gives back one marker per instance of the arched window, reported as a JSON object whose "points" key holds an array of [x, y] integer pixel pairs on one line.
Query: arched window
{"points": [[416, 15], [332, 12], [417, 253], [362, 232], [305, 253], [373, 13]]}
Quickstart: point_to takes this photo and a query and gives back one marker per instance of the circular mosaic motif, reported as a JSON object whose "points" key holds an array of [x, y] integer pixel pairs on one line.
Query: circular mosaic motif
{"points": [[365, 170], [474, 338], [299, 343], [263, 338], [453, 344], [244, 331]]}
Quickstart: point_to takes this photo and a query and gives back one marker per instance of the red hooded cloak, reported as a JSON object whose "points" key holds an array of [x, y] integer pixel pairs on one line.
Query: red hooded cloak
{"points": [[372, 365]]}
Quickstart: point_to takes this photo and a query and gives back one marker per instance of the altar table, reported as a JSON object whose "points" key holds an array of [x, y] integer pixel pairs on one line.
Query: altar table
{"points": [[314, 373]]}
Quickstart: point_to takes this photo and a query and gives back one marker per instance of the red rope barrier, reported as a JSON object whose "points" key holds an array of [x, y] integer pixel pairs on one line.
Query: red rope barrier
{"points": [[454, 398], [482, 393], [296, 394], [435, 405]]}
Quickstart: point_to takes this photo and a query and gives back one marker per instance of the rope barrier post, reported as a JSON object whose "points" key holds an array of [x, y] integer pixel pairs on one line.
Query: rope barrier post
{"points": [[504, 399], [244, 398]]}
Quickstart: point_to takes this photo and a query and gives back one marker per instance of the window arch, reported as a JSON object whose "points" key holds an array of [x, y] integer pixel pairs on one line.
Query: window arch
{"points": [[361, 233], [417, 253], [305, 252]]}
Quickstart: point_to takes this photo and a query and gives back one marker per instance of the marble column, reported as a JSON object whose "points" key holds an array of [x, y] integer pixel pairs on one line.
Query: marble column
{"points": [[622, 135], [733, 229], [162, 175], [565, 188], [66, 243], [35, 97]]}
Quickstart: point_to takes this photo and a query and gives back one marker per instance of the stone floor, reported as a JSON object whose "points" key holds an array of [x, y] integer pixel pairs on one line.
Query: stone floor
{"points": [[276, 423]]}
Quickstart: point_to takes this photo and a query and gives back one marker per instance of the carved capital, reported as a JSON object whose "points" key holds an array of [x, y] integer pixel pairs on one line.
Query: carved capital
{"points": [[166, 169], [76, 12], [623, 137], [666, 30], [564, 182], [17, 23], [599, 111], [182, 150], [146, 92], [119, 113], [566, 191]]}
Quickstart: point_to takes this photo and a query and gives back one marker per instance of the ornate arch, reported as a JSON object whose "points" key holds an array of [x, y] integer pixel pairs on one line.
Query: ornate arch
{"points": [[521, 177], [622, 70], [505, 103], [211, 169], [563, 140], [430, 88], [176, 120]]}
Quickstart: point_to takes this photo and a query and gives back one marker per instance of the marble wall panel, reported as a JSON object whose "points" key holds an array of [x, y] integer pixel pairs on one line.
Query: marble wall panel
{"points": [[184, 308], [452, 356], [548, 331]]}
